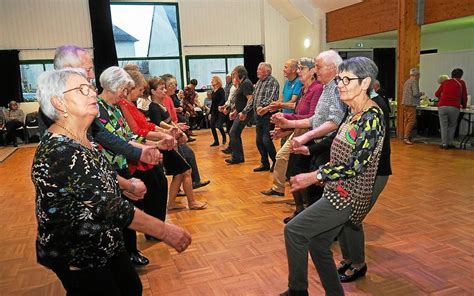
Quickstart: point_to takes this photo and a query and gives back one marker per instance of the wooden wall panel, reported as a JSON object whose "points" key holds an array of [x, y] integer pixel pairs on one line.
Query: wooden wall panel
{"points": [[441, 10], [368, 17]]}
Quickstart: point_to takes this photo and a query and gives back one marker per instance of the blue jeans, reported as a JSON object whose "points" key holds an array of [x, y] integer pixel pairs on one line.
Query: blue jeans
{"points": [[236, 138], [264, 141]]}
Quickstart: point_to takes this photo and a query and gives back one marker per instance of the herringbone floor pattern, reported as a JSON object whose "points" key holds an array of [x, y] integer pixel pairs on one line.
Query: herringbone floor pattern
{"points": [[420, 236]]}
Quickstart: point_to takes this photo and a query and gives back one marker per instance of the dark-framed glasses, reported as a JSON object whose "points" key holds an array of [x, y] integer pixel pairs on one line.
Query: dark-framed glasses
{"points": [[84, 89], [301, 67], [346, 80]]}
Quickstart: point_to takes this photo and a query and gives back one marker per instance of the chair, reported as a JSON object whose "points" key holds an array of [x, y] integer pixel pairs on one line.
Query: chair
{"points": [[31, 126]]}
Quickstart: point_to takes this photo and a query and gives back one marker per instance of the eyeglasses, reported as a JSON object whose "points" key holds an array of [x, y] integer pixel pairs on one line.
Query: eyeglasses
{"points": [[301, 67], [346, 80], [84, 89]]}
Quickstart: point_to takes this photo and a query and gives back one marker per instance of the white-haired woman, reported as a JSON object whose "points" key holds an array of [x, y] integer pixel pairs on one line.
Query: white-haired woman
{"points": [[78, 206]]}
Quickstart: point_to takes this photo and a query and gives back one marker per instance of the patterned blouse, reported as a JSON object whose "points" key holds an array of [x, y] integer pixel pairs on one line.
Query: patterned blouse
{"points": [[355, 152], [78, 206], [112, 119]]}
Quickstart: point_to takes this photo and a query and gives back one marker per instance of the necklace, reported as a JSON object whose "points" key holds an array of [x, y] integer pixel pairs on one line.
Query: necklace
{"points": [[84, 142]]}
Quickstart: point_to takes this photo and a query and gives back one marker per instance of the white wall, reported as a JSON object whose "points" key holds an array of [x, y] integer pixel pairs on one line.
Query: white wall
{"points": [[30, 25], [460, 39], [276, 40], [300, 29]]}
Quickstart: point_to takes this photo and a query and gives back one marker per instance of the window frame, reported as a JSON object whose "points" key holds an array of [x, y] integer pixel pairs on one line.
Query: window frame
{"points": [[178, 24], [33, 62], [211, 56]]}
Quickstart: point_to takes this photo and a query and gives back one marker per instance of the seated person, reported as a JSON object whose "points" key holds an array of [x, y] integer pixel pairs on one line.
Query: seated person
{"points": [[14, 119]]}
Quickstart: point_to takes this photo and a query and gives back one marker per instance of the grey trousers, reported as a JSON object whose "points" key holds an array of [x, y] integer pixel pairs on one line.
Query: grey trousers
{"points": [[314, 229], [352, 240], [448, 119]]}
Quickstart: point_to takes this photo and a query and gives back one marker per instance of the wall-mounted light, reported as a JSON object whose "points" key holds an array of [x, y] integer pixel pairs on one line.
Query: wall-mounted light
{"points": [[307, 43]]}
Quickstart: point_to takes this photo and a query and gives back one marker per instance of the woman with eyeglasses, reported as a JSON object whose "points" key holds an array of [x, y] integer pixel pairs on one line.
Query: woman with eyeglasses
{"points": [[79, 209], [348, 180]]}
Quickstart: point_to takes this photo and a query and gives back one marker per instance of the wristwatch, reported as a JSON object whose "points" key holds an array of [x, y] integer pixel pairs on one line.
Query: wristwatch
{"points": [[319, 177]]}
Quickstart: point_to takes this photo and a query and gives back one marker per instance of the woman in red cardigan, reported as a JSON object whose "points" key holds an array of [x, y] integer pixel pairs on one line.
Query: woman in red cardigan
{"points": [[452, 94]]}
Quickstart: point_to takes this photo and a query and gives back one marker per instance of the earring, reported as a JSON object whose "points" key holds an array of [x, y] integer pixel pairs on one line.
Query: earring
{"points": [[65, 114]]}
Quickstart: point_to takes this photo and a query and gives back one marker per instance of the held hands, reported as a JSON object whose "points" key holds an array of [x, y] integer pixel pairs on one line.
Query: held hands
{"points": [[298, 147], [166, 143], [274, 106], [262, 110], [182, 138], [176, 237], [242, 116], [278, 133], [183, 126], [233, 115], [302, 181], [150, 155], [280, 121], [137, 189]]}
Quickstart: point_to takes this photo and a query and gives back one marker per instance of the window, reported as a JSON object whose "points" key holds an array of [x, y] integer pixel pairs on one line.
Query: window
{"points": [[148, 35], [30, 70], [202, 68]]}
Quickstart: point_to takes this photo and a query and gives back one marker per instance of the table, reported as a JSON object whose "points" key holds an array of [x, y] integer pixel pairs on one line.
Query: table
{"points": [[467, 112]]}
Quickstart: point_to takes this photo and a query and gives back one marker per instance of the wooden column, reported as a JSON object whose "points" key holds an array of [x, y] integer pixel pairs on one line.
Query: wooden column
{"points": [[408, 55]]}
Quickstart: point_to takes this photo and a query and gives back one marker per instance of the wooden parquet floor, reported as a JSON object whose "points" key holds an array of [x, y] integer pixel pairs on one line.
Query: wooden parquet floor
{"points": [[420, 235]]}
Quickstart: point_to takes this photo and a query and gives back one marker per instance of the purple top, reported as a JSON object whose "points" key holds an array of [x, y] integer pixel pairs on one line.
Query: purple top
{"points": [[307, 104]]}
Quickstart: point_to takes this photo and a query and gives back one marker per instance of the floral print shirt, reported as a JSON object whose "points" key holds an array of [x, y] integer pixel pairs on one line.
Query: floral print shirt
{"points": [[112, 119], [79, 210], [355, 152]]}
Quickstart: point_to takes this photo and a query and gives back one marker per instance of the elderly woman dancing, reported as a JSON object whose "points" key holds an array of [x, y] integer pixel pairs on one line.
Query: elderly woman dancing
{"points": [[348, 180], [78, 206]]}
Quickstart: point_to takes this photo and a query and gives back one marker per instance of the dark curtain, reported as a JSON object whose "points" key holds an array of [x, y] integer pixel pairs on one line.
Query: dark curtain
{"points": [[10, 77], [105, 54], [253, 55], [385, 59]]}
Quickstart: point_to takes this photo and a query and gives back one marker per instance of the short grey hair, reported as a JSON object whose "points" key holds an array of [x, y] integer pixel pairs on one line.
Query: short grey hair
{"points": [[115, 78], [240, 71], [414, 72], [268, 66], [442, 78], [361, 67], [330, 57], [293, 63], [67, 56], [52, 84]]}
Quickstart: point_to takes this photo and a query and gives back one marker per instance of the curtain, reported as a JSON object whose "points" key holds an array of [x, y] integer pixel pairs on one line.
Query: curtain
{"points": [[10, 77], [105, 54], [253, 55]]}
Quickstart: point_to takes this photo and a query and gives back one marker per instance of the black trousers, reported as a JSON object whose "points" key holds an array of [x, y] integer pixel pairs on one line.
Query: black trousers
{"points": [[11, 130], [129, 235], [117, 278], [188, 154], [156, 197], [264, 140], [217, 121]]}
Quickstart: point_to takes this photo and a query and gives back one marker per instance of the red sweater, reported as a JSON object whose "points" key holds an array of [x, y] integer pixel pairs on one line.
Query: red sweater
{"points": [[449, 93]]}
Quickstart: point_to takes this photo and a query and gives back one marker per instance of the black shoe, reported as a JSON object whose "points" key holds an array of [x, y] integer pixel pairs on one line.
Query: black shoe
{"points": [[262, 168], [443, 146], [291, 292], [214, 144], [289, 218], [227, 151], [15, 144], [451, 147], [344, 266], [201, 184], [272, 192], [357, 273], [138, 259], [152, 238], [232, 161], [272, 168], [191, 140]]}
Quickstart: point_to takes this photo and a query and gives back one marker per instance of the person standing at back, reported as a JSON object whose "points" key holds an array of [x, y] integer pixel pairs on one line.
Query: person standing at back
{"points": [[411, 99], [452, 94]]}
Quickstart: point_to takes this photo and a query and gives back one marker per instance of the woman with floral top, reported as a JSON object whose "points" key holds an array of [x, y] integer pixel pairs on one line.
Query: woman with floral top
{"points": [[79, 210], [348, 181]]}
